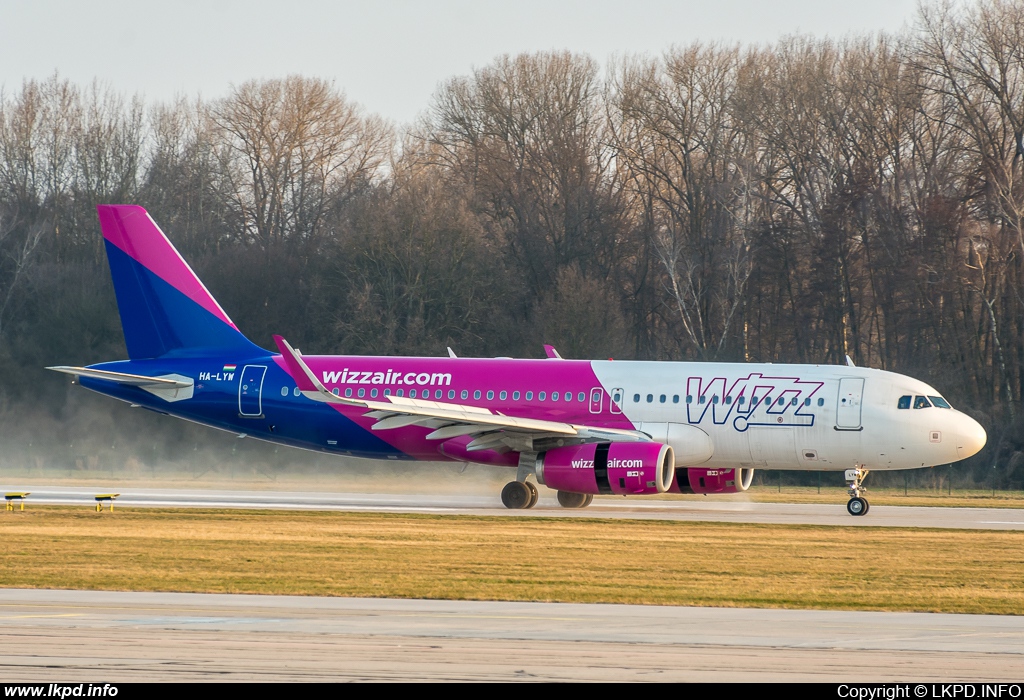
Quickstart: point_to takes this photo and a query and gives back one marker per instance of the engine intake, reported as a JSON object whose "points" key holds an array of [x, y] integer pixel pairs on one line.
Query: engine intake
{"points": [[618, 467], [698, 480]]}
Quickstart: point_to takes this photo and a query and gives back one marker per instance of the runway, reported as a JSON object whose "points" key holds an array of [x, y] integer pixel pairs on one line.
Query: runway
{"points": [[739, 511], [105, 636]]}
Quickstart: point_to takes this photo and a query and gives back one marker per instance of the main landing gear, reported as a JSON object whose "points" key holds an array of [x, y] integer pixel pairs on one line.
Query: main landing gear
{"points": [[520, 494], [857, 505], [568, 499]]}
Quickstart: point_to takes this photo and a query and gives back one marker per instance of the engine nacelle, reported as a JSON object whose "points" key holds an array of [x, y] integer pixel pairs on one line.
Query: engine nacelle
{"points": [[618, 467], [700, 480]]}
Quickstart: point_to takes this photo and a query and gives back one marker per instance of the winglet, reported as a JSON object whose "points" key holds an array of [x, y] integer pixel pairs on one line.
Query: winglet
{"points": [[304, 378], [849, 361], [451, 353], [552, 353]]}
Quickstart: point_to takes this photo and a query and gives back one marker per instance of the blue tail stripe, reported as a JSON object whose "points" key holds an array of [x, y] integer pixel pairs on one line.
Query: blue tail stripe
{"points": [[158, 319]]}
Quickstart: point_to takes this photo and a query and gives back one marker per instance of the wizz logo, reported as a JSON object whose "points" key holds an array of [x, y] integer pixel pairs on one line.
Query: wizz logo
{"points": [[753, 400]]}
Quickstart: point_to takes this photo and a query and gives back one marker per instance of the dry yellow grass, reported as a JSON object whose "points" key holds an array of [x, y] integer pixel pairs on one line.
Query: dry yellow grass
{"points": [[494, 558]]}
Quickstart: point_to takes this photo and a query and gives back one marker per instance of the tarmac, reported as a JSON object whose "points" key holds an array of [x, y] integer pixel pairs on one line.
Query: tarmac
{"points": [[102, 636]]}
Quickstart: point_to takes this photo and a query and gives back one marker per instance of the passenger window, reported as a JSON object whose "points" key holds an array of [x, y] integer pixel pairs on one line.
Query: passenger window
{"points": [[743, 400], [296, 391], [728, 400], [373, 393], [689, 399], [362, 393], [636, 398], [793, 402], [387, 392], [412, 393], [903, 403], [921, 402], [515, 395], [490, 395], [821, 402], [940, 402], [400, 392], [767, 400], [661, 399], [542, 395], [675, 398], [438, 394], [451, 393], [335, 391], [503, 395], [581, 397], [554, 396], [714, 399], [476, 394], [284, 391], [464, 394], [348, 392], [650, 398], [702, 399], [529, 396]]}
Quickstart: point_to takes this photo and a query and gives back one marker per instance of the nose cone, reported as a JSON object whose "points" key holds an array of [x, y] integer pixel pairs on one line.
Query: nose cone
{"points": [[970, 437]]}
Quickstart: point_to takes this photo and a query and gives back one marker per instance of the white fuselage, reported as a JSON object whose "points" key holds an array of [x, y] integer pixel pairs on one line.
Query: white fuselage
{"points": [[811, 417]]}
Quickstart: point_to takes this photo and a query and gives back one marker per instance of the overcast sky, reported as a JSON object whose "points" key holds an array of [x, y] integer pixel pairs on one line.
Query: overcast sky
{"points": [[388, 55]]}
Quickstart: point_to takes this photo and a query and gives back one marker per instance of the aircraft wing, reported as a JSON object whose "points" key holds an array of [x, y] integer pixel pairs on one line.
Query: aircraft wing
{"points": [[125, 379], [449, 419]]}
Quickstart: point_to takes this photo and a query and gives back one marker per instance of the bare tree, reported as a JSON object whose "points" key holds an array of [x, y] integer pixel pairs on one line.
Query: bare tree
{"points": [[681, 153], [290, 149]]}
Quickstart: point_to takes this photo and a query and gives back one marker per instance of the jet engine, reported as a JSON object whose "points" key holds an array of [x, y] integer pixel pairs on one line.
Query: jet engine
{"points": [[698, 480], [618, 467]]}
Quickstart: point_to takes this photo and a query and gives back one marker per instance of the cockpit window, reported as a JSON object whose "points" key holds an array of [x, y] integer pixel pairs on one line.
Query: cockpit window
{"points": [[940, 402], [921, 402], [904, 402]]}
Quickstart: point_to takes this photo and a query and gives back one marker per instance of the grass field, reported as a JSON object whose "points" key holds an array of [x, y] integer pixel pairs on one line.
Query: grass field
{"points": [[469, 557]]}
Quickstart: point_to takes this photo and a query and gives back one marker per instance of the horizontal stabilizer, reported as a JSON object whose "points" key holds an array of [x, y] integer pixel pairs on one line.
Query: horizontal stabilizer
{"points": [[125, 379]]}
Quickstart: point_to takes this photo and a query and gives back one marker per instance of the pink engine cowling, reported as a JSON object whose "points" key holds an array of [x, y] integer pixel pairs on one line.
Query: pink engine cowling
{"points": [[620, 467], [702, 480]]}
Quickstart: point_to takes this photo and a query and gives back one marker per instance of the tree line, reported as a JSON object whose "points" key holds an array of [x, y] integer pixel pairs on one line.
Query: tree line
{"points": [[795, 202]]}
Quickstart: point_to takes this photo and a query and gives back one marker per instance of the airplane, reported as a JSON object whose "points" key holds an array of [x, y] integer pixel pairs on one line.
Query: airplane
{"points": [[580, 427]]}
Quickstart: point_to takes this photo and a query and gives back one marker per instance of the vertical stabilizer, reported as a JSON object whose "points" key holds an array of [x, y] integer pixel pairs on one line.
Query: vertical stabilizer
{"points": [[164, 307]]}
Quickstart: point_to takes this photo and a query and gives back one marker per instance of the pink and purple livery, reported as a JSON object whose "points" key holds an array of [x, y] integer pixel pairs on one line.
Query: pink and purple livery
{"points": [[579, 427]]}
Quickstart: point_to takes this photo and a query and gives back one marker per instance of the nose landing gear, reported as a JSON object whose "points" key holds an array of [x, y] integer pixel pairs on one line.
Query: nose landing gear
{"points": [[857, 505]]}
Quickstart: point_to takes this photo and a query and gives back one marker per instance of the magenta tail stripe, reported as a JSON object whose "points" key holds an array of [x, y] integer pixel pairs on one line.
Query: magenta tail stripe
{"points": [[131, 229]]}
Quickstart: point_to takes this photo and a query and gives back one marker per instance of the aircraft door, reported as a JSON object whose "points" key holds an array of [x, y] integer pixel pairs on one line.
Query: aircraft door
{"points": [[616, 402], [250, 390], [596, 399], [848, 407]]}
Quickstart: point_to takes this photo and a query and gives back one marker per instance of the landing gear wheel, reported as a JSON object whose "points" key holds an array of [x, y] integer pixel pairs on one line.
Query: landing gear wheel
{"points": [[569, 499], [857, 506], [516, 495], [534, 494]]}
